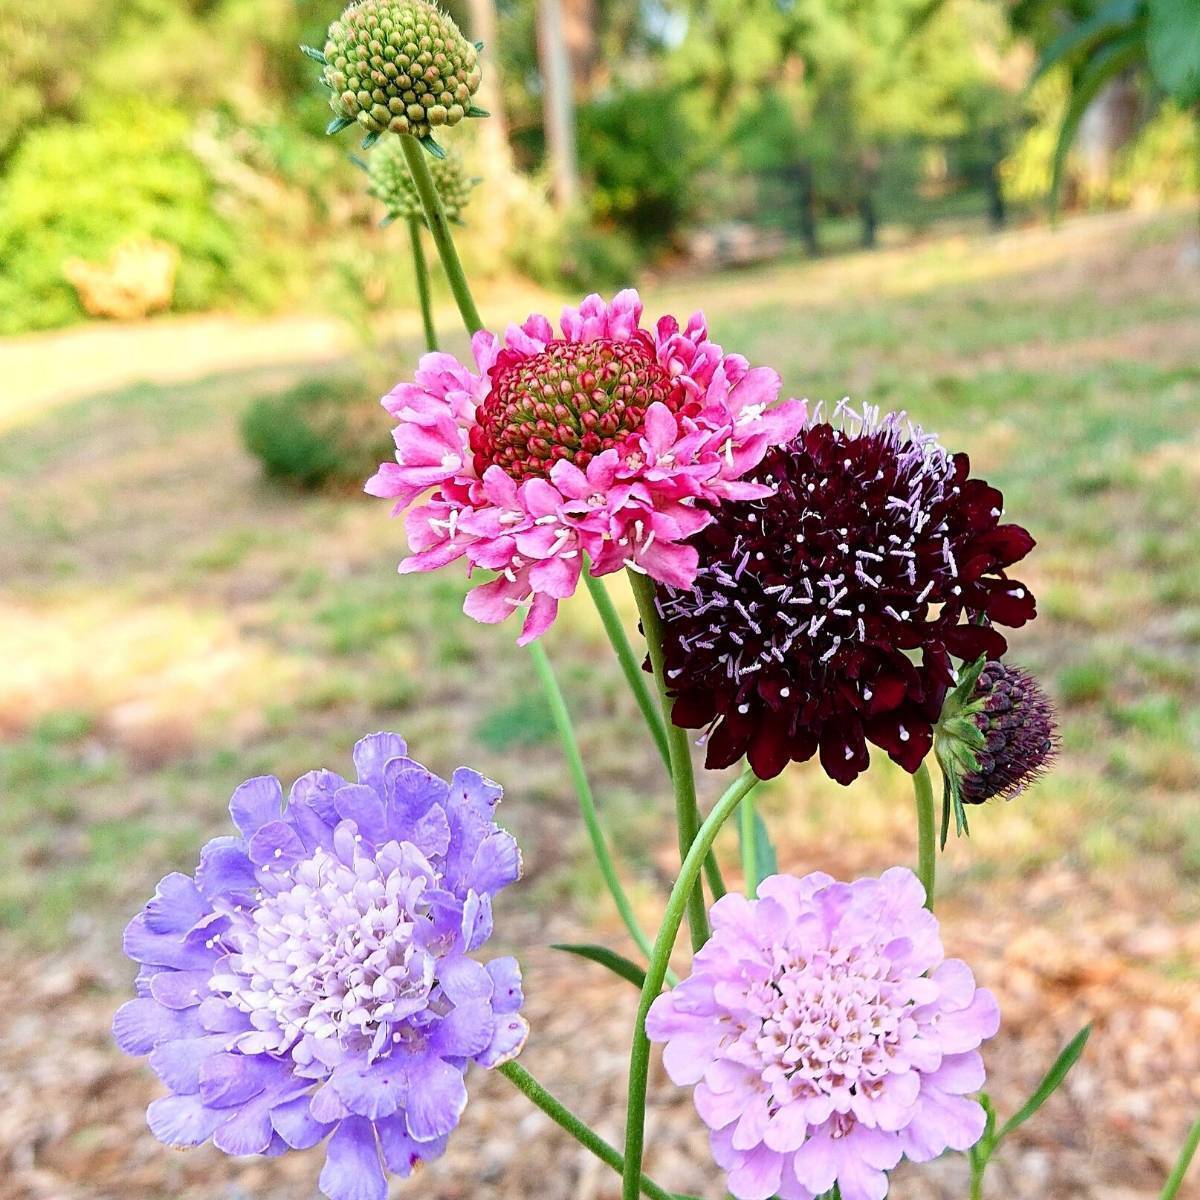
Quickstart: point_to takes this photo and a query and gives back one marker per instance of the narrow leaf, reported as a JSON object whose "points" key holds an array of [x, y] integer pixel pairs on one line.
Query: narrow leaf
{"points": [[476, 111], [1175, 1179], [617, 963], [359, 162], [479, 46], [766, 862], [315, 55], [1173, 47], [432, 147], [370, 139], [338, 124], [1049, 1085], [946, 805], [1107, 64], [1109, 21]]}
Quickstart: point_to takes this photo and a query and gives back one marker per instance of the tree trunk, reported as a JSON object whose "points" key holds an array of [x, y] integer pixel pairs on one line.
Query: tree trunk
{"points": [[558, 103], [494, 129]]}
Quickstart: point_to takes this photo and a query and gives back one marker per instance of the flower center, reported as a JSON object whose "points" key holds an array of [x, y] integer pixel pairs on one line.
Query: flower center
{"points": [[828, 1025], [571, 401], [339, 955]]}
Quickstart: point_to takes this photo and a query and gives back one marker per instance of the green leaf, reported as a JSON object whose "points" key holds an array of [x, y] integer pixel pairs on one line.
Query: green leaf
{"points": [[1049, 1085], [359, 162], [1173, 47], [315, 55], [1112, 20], [476, 111], [370, 139], [338, 124], [431, 147], [1106, 64], [1175, 1180], [479, 46], [617, 963], [946, 804], [766, 862]]}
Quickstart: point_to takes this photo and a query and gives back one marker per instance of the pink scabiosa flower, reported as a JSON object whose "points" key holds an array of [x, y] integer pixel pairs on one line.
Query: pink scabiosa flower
{"points": [[827, 1036], [314, 978], [825, 614], [604, 439]]}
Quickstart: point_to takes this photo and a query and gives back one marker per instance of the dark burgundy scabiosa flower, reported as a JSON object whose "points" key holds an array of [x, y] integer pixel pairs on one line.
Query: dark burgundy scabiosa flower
{"points": [[825, 615], [1015, 719]]}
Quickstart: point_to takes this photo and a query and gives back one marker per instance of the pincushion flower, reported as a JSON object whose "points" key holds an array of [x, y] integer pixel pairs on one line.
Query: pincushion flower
{"points": [[606, 440], [825, 615], [314, 977], [827, 1036]]}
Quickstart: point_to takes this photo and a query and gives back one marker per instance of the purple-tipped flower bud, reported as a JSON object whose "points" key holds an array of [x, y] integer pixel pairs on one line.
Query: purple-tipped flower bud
{"points": [[400, 65], [1020, 737]]}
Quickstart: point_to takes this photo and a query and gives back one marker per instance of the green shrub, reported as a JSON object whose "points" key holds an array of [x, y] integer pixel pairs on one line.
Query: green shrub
{"points": [[83, 189], [329, 430], [640, 159]]}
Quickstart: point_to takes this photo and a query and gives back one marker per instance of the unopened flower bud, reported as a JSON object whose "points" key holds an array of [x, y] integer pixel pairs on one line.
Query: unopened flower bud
{"points": [[391, 183], [399, 65]]}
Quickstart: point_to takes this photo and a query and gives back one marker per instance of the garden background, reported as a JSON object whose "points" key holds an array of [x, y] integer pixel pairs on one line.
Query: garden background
{"points": [[854, 192]]}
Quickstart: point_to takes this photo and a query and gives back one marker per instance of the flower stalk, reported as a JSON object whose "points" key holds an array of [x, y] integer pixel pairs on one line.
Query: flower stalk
{"points": [[578, 1129], [683, 782], [686, 886], [926, 833], [421, 271], [583, 789], [439, 228]]}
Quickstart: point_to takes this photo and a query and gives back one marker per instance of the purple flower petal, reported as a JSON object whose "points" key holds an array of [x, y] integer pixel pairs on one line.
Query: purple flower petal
{"points": [[248, 1131], [140, 1025], [316, 791], [225, 870], [178, 1063], [176, 907], [436, 1098], [400, 1153], [496, 864], [464, 979], [508, 1039], [228, 1080], [276, 844], [465, 1031], [296, 1124], [373, 753], [363, 806], [256, 802], [183, 1120], [410, 791], [180, 989], [163, 949], [352, 1169]]}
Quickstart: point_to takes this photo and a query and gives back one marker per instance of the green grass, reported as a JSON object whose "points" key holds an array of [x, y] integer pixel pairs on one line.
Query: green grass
{"points": [[183, 624]]}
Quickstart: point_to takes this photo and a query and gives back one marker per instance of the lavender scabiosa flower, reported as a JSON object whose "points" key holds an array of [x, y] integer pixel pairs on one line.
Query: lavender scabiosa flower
{"points": [[827, 1036], [314, 977], [824, 614]]}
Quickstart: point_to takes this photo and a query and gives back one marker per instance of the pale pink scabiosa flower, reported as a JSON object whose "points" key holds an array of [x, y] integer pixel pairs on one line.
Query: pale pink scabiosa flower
{"points": [[315, 977], [827, 1036], [608, 440]]}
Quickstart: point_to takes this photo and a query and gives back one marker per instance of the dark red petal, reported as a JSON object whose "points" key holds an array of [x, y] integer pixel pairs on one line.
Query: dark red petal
{"points": [[1006, 543], [769, 750], [905, 735], [727, 742], [694, 709], [1006, 607], [968, 642], [844, 751]]}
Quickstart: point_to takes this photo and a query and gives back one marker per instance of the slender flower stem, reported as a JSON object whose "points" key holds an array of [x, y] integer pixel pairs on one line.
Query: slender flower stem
{"points": [[439, 227], [926, 835], [687, 811], [582, 1133], [681, 895], [749, 848], [634, 675], [583, 789], [421, 270], [1175, 1180]]}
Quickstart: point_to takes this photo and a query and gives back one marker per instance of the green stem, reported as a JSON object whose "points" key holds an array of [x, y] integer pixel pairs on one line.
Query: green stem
{"points": [[678, 903], [926, 836], [687, 811], [978, 1166], [749, 848], [421, 270], [439, 228], [582, 1133], [1175, 1179], [583, 789], [634, 675]]}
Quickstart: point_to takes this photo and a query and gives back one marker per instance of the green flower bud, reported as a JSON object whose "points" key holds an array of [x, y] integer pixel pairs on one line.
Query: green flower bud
{"points": [[392, 185], [392, 59]]}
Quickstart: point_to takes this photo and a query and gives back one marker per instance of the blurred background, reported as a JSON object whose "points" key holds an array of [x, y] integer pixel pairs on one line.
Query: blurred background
{"points": [[198, 310]]}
